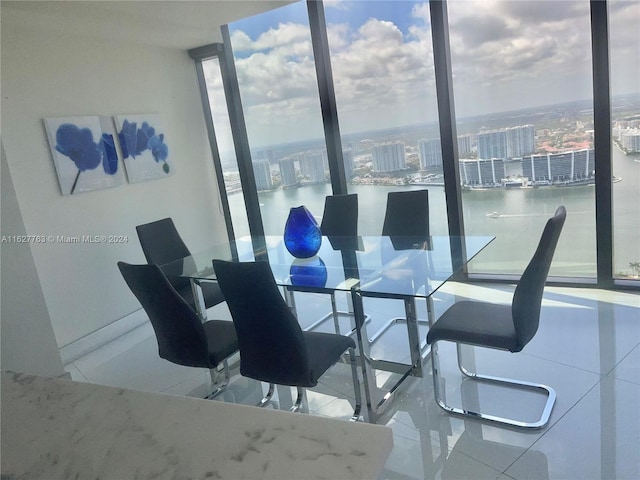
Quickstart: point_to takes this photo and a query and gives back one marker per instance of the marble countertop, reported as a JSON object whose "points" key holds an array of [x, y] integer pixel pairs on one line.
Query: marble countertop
{"points": [[54, 429]]}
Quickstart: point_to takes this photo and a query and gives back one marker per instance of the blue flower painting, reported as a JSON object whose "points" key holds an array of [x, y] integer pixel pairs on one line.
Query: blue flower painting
{"points": [[144, 147], [80, 145], [110, 157]]}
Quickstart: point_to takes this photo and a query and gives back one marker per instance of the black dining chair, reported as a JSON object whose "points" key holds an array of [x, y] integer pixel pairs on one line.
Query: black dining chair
{"points": [[504, 327], [407, 214], [340, 216], [273, 347], [162, 244], [181, 335], [406, 222], [340, 224]]}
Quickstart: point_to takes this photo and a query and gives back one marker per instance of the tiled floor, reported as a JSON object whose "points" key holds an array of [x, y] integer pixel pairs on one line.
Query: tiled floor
{"points": [[587, 348]]}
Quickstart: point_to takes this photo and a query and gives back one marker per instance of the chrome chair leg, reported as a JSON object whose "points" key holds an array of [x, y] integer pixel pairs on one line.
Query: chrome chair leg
{"points": [[215, 380], [548, 391], [334, 312], [267, 398], [356, 385], [296, 406]]}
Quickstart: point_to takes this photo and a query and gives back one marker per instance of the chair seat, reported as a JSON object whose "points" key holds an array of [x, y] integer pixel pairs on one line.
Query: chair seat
{"points": [[221, 340], [210, 291], [324, 350], [476, 323]]}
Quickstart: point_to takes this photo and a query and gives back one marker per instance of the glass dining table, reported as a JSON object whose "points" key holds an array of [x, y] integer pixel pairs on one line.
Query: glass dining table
{"points": [[402, 268]]}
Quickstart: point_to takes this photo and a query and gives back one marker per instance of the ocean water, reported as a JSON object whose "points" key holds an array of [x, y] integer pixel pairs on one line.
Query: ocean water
{"points": [[522, 215]]}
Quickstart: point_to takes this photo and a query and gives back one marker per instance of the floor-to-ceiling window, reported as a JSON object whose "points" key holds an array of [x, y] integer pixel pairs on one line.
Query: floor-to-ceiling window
{"points": [[382, 65], [217, 104], [522, 82], [624, 25], [277, 82], [524, 103]]}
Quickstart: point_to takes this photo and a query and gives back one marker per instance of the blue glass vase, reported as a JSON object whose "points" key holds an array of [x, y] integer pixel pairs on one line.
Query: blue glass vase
{"points": [[308, 272], [302, 235]]}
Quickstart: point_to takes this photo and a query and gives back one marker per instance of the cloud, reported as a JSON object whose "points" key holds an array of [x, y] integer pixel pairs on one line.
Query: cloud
{"points": [[337, 4], [377, 68], [525, 46], [241, 41], [476, 30], [624, 38], [286, 35], [505, 55], [377, 73], [532, 13]]}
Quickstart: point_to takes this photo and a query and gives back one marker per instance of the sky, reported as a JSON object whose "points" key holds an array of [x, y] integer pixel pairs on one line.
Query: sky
{"points": [[506, 55]]}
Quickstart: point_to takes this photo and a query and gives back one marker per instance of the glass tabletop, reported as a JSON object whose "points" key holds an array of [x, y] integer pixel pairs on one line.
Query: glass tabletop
{"points": [[403, 268], [375, 265]]}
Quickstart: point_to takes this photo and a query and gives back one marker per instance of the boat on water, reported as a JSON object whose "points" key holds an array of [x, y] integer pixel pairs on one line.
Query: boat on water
{"points": [[493, 215], [515, 182]]}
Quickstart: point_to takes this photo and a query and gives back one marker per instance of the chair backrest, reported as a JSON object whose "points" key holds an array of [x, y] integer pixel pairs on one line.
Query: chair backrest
{"points": [[407, 214], [179, 331], [161, 242], [272, 347], [340, 216], [527, 297]]}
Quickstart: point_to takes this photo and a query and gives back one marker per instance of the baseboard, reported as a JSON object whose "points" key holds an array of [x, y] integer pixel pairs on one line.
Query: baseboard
{"points": [[101, 337]]}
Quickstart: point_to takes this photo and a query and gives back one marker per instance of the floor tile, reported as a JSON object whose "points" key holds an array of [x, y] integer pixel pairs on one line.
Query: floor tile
{"points": [[597, 439], [138, 368], [603, 332], [629, 367], [115, 348], [425, 459]]}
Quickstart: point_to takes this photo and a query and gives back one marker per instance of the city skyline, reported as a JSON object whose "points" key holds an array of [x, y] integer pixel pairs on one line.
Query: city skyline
{"points": [[379, 155], [631, 102]]}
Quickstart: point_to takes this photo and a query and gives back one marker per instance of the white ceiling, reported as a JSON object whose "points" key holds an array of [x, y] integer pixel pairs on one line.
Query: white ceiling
{"points": [[181, 24]]}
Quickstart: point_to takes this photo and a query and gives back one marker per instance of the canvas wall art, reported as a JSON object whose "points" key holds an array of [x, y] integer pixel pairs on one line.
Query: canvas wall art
{"points": [[84, 152], [144, 147]]}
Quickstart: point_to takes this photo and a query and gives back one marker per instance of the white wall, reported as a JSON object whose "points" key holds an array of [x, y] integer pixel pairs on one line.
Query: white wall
{"points": [[47, 73], [28, 344]]}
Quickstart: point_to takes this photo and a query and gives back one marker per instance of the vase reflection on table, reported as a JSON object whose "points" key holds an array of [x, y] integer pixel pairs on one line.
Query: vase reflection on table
{"points": [[302, 236], [308, 272]]}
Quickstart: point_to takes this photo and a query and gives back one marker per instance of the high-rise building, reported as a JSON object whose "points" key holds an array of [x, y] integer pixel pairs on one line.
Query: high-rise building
{"points": [[288, 172], [430, 153], [264, 155], [510, 142], [347, 157], [482, 172], [584, 164], [430, 150], [559, 167], [262, 174], [388, 157], [312, 167], [630, 140], [465, 144], [521, 141], [492, 144]]}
